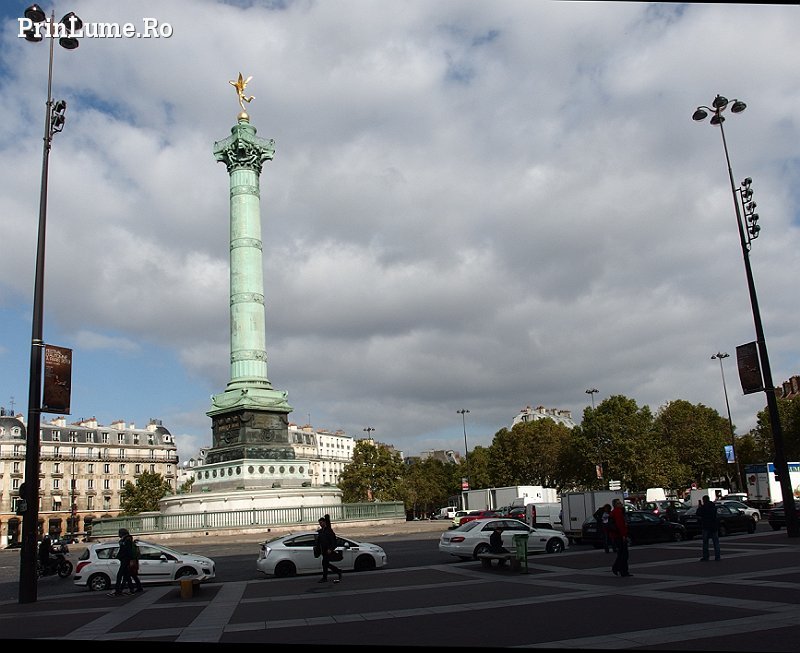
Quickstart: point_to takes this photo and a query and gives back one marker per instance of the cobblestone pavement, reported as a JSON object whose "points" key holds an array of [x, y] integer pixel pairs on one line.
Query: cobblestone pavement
{"points": [[748, 601]]}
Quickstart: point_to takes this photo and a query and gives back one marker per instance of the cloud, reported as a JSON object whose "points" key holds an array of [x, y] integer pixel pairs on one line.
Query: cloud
{"points": [[471, 205]]}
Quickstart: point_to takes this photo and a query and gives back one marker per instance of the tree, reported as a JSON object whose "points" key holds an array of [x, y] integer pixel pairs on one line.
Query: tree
{"points": [[373, 474], [696, 436], [150, 488], [186, 486], [529, 454], [789, 415], [426, 485]]}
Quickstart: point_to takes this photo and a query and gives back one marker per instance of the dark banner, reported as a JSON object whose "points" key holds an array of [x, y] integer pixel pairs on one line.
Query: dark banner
{"points": [[57, 379], [749, 368]]}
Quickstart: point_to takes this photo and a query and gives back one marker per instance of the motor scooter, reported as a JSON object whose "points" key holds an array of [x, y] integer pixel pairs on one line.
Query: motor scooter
{"points": [[57, 563]]}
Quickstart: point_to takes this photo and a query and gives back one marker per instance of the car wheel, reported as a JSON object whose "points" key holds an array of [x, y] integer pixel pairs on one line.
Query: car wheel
{"points": [[722, 531], [284, 569], [555, 545], [751, 527], [183, 572], [481, 548], [98, 582], [364, 563]]}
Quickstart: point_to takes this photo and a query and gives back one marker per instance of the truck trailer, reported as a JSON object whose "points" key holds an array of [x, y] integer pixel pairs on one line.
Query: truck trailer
{"points": [[577, 507], [763, 489]]}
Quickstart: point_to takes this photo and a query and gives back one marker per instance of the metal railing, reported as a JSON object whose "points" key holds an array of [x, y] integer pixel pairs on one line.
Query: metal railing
{"points": [[156, 523]]}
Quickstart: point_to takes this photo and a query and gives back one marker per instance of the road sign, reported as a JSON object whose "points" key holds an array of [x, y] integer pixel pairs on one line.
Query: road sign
{"points": [[614, 485]]}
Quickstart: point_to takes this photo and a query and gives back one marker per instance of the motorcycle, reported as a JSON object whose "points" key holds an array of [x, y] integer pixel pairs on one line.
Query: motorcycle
{"points": [[57, 563]]}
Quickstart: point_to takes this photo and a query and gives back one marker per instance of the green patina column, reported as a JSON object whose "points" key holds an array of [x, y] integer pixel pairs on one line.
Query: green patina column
{"points": [[249, 419]]}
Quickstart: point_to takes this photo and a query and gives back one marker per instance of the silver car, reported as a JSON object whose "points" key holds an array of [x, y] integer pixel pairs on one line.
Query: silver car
{"points": [[287, 555], [97, 566], [472, 538]]}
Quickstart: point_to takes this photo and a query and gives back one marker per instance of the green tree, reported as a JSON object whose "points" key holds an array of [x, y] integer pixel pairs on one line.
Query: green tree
{"points": [[144, 496], [528, 454], [477, 468], [374, 474], [696, 436], [186, 486], [426, 485], [789, 415]]}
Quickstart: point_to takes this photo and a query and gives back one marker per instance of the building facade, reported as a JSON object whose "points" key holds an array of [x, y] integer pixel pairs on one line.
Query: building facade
{"points": [[529, 414], [83, 469]]}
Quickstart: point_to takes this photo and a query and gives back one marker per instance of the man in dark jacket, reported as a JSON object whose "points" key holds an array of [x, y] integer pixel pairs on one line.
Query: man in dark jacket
{"points": [[707, 512], [326, 541], [125, 553]]}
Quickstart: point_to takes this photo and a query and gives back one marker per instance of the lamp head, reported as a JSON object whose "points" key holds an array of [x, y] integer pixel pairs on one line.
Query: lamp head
{"points": [[699, 115], [68, 42], [717, 119], [72, 22], [33, 36], [35, 14], [720, 102], [738, 106]]}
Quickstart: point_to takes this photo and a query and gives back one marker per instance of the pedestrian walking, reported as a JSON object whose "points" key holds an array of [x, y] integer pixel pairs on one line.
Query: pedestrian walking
{"points": [[601, 516], [618, 530], [326, 541], [707, 511], [125, 553]]}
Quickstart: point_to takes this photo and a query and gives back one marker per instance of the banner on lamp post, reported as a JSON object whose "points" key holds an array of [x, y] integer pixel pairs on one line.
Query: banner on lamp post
{"points": [[729, 454], [57, 380], [749, 368]]}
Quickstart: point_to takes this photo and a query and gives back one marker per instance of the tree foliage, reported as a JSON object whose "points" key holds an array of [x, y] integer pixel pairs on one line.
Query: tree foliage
{"points": [[373, 475], [789, 415], [144, 496]]}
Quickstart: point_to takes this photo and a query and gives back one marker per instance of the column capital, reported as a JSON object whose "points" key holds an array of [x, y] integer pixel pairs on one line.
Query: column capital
{"points": [[243, 149]]}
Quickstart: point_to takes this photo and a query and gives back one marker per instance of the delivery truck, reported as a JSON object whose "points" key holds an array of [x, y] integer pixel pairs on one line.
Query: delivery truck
{"points": [[502, 497], [577, 507], [763, 489]]}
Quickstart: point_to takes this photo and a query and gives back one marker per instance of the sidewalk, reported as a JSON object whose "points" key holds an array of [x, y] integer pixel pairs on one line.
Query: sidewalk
{"points": [[748, 601]]}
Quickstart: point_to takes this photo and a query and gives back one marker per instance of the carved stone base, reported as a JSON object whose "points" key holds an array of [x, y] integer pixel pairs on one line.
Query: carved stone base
{"points": [[249, 434]]}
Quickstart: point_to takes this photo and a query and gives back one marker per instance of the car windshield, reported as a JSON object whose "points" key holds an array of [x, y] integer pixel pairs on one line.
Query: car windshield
{"points": [[467, 527]]}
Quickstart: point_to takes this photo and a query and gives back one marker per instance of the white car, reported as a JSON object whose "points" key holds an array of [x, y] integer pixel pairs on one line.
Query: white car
{"points": [[458, 515], [738, 505], [97, 566], [287, 555], [472, 538]]}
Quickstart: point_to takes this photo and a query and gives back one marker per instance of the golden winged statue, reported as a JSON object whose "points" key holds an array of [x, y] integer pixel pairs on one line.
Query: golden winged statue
{"points": [[240, 85]]}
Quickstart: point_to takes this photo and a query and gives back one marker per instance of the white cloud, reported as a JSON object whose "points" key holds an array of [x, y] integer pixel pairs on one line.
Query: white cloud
{"points": [[479, 205]]}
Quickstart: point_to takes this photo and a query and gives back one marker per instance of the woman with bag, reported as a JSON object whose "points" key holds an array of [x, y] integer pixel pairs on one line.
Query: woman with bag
{"points": [[326, 541]]}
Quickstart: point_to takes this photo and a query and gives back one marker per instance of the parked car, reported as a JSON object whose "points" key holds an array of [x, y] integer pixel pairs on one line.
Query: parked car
{"points": [[287, 555], [728, 521], [472, 538], [457, 517], [660, 507], [777, 516], [97, 566], [643, 528], [755, 513], [479, 514], [517, 512]]}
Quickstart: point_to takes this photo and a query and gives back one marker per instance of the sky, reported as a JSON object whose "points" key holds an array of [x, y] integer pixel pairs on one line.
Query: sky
{"points": [[472, 205]]}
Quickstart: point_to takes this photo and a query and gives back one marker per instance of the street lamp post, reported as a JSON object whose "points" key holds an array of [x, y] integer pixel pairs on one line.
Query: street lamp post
{"points": [[599, 470], [463, 412], [53, 123], [740, 479], [370, 491], [746, 237]]}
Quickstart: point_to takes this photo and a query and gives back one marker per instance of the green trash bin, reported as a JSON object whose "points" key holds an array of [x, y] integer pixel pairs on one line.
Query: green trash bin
{"points": [[521, 550]]}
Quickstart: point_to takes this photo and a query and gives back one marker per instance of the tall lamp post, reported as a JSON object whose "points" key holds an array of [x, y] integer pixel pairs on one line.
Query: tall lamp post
{"points": [[53, 123], [740, 479], [599, 470], [463, 412], [371, 496], [746, 236]]}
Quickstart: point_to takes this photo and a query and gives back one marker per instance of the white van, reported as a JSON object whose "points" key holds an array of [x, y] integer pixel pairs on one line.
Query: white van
{"points": [[446, 513]]}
